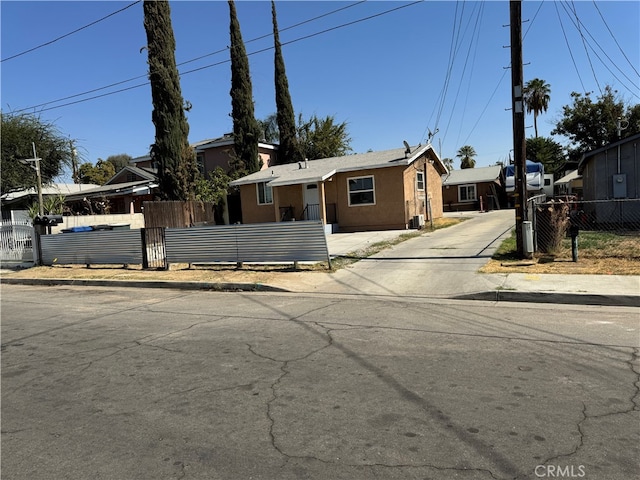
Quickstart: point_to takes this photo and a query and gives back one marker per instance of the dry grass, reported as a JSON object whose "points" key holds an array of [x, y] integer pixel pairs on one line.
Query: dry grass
{"points": [[599, 253]]}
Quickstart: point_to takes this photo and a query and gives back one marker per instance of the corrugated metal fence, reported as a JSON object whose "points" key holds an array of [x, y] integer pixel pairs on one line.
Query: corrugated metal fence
{"points": [[96, 247], [285, 242], [254, 243]]}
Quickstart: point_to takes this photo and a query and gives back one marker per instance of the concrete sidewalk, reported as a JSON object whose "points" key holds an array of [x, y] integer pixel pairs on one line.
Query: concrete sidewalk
{"points": [[439, 264]]}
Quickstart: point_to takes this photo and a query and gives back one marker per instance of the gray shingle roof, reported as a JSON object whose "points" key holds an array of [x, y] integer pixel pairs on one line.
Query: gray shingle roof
{"points": [[319, 170]]}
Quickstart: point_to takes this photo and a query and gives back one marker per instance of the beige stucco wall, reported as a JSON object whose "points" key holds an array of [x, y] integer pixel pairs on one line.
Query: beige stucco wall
{"points": [[251, 211], [135, 221], [291, 196], [387, 213], [415, 200]]}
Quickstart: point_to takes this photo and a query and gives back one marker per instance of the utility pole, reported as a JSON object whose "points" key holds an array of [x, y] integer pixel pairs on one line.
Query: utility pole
{"points": [[74, 162], [38, 229], [519, 144], [36, 167]]}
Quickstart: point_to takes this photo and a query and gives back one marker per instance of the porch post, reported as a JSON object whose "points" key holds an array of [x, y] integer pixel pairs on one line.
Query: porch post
{"points": [[323, 204], [276, 203]]}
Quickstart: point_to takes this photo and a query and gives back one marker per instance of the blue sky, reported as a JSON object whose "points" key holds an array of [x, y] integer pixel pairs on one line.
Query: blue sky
{"points": [[385, 76]]}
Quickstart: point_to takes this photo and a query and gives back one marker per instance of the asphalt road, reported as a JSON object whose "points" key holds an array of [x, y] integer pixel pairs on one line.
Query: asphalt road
{"points": [[154, 384]]}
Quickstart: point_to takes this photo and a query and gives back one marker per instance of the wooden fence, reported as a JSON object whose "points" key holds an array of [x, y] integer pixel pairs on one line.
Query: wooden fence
{"points": [[176, 214]]}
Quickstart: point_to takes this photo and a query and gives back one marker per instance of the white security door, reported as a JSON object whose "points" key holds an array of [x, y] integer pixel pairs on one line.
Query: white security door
{"points": [[311, 202]]}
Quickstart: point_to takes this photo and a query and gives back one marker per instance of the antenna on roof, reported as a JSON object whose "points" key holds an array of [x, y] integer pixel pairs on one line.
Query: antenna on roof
{"points": [[408, 148]]}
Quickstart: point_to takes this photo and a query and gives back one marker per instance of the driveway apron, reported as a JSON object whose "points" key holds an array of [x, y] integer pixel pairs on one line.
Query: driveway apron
{"points": [[437, 264]]}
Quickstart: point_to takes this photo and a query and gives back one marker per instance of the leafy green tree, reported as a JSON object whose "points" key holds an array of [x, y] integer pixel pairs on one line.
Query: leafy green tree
{"points": [[246, 130], [323, 138], [98, 174], [289, 150], [448, 162], [177, 169], [119, 161], [546, 151], [269, 127], [466, 154], [593, 124], [536, 96], [214, 188], [18, 133]]}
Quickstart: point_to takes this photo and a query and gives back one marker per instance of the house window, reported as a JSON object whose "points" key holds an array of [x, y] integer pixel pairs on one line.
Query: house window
{"points": [[200, 162], [420, 181], [467, 193], [361, 191], [265, 194]]}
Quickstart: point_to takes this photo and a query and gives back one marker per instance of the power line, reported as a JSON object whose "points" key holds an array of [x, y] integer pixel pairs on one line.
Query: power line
{"points": [[578, 24], [70, 33], [472, 42], [566, 40], [121, 82], [210, 65], [584, 44], [501, 79], [614, 39]]}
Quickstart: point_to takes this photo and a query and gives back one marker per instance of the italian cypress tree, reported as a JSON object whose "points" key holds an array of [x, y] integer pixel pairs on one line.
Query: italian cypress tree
{"points": [[177, 169], [246, 129], [289, 150]]}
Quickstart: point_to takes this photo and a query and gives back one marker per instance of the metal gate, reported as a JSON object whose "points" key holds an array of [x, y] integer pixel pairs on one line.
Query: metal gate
{"points": [[153, 250], [15, 240]]}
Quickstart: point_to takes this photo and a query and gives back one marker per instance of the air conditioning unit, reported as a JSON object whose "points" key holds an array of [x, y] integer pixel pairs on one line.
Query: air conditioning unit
{"points": [[418, 221]]}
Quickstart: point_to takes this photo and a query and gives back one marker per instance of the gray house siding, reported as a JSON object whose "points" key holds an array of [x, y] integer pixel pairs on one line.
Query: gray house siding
{"points": [[613, 173]]}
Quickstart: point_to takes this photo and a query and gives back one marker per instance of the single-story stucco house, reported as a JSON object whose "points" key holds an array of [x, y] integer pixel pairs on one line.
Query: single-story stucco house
{"points": [[370, 191], [473, 189]]}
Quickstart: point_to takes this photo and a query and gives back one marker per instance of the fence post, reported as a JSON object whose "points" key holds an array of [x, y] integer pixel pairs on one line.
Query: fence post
{"points": [[38, 231], [145, 255]]}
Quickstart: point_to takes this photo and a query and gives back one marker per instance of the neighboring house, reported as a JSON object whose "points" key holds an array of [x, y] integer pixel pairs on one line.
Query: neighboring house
{"points": [[473, 189], [124, 193], [217, 152], [570, 184], [370, 191], [21, 200], [612, 173]]}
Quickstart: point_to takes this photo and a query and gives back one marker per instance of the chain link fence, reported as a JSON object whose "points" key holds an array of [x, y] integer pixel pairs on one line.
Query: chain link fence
{"points": [[599, 229]]}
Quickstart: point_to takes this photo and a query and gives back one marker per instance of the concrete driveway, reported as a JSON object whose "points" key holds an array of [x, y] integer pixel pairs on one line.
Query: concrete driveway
{"points": [[437, 264]]}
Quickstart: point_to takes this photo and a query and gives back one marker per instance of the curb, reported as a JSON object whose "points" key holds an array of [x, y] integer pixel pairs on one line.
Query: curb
{"points": [[488, 296], [554, 297], [218, 287]]}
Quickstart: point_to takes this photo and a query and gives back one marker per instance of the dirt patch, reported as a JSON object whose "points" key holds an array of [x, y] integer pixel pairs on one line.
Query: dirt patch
{"points": [[587, 266], [276, 276]]}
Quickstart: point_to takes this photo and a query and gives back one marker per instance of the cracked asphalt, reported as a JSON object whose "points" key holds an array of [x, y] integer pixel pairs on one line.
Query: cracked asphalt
{"points": [[118, 383]]}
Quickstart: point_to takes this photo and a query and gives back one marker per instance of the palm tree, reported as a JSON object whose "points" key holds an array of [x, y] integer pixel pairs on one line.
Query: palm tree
{"points": [[536, 96], [448, 162], [466, 154]]}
